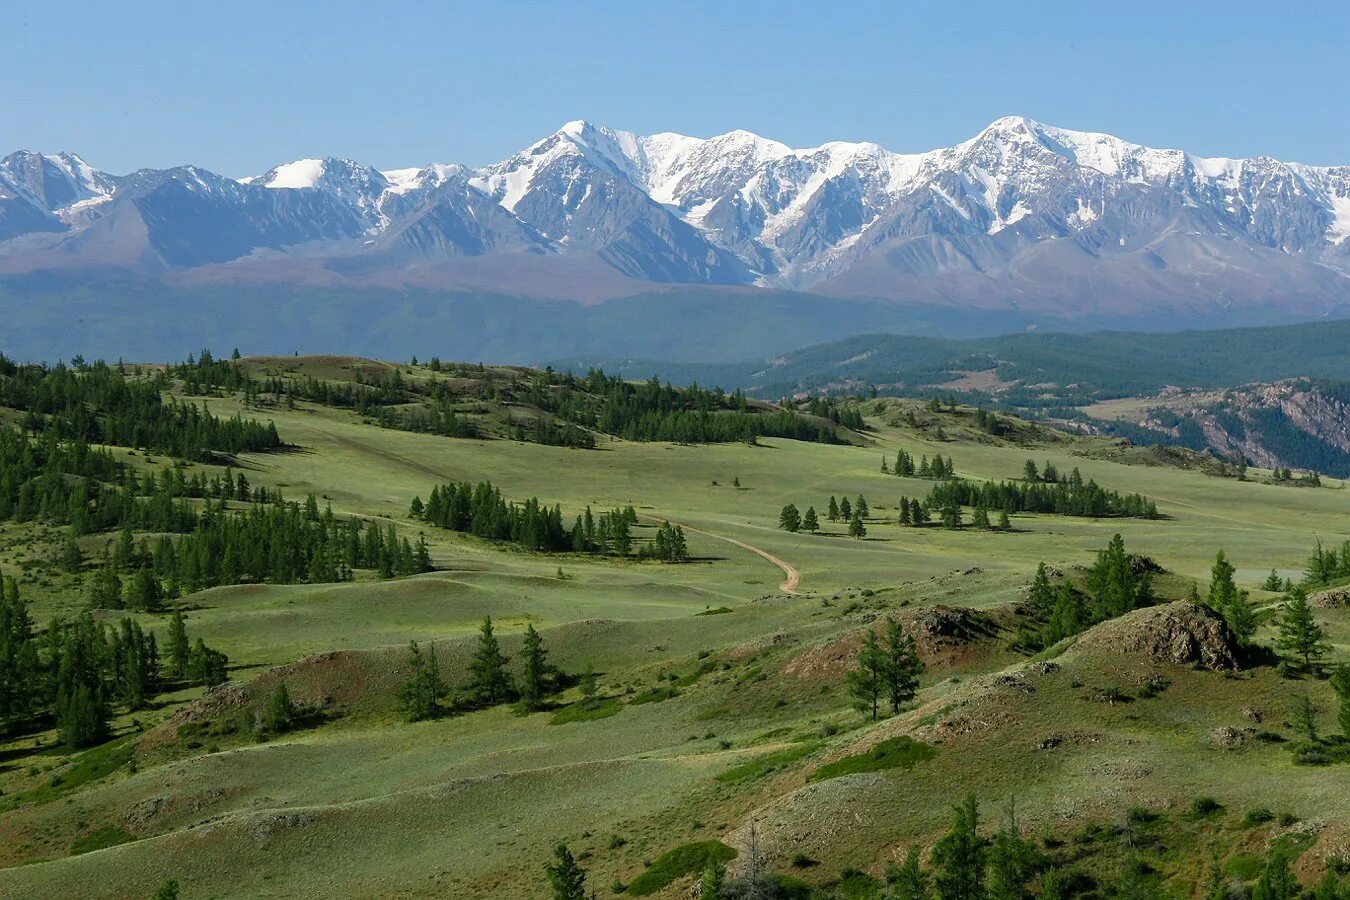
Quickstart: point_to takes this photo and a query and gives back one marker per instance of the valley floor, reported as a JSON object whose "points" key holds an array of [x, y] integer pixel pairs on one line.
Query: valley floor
{"points": [[724, 680]]}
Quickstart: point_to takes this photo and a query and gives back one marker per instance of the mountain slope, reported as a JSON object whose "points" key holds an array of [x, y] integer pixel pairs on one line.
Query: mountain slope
{"points": [[1023, 217]]}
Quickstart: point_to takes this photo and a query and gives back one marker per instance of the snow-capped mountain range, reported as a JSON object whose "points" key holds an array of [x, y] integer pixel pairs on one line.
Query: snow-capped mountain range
{"points": [[1021, 216]]}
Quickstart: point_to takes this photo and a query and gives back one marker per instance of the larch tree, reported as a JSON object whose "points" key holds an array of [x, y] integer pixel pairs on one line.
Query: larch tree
{"points": [[1300, 634], [489, 682], [959, 855], [902, 666], [536, 677], [867, 681], [565, 876]]}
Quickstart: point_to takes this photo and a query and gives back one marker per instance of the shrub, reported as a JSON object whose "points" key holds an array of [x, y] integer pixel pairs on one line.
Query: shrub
{"points": [[676, 863], [897, 752], [1205, 806], [1257, 816]]}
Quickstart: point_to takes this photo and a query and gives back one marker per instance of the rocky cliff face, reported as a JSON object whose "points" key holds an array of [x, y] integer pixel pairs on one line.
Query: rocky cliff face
{"points": [[1301, 423]]}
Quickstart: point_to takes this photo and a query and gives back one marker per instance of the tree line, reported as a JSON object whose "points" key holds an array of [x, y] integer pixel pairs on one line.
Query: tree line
{"points": [[98, 404], [1117, 583], [280, 542], [482, 510], [489, 682], [938, 468], [72, 674], [1069, 496]]}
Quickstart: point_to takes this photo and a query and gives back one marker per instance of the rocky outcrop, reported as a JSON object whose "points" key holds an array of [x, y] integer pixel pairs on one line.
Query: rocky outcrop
{"points": [[1181, 633]]}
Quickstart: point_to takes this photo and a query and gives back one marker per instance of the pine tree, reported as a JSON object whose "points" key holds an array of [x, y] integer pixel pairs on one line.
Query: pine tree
{"points": [[902, 666], [909, 881], [1222, 590], [1273, 581], [421, 695], [856, 528], [959, 855], [1004, 523], [177, 647], [81, 710], [206, 666], [1300, 634], [1340, 683], [1042, 594], [1277, 881], [565, 876], [845, 510], [1054, 886], [1029, 471], [860, 507], [489, 682], [105, 588], [1011, 861], [1329, 888], [951, 515], [809, 521], [1068, 616], [536, 673], [833, 511], [81, 716], [980, 519], [918, 514], [71, 557], [789, 519], [866, 682], [143, 591], [712, 881], [904, 512], [280, 714], [1304, 715]]}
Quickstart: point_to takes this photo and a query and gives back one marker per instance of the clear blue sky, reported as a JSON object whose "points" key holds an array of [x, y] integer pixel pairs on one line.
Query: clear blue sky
{"points": [[238, 87]]}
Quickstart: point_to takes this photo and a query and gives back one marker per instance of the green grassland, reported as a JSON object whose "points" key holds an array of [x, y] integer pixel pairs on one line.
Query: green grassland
{"points": [[748, 718]]}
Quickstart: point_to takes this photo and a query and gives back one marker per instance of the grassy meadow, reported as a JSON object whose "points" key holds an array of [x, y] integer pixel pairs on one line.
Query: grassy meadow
{"points": [[722, 694]]}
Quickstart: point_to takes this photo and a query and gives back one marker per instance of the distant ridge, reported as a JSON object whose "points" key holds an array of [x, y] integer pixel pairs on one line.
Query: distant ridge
{"points": [[1023, 217]]}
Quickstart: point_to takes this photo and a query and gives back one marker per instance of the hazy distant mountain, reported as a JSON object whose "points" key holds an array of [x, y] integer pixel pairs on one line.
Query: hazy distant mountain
{"points": [[1022, 217]]}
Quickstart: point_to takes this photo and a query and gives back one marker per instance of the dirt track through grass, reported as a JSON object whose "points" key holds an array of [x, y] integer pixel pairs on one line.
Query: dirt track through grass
{"points": [[790, 582]]}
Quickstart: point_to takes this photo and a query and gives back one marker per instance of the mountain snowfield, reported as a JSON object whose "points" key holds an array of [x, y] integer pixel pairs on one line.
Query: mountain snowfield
{"points": [[1022, 216]]}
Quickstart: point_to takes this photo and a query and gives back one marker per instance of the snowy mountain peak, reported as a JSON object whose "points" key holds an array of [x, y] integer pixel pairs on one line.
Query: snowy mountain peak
{"points": [[303, 173], [1072, 208]]}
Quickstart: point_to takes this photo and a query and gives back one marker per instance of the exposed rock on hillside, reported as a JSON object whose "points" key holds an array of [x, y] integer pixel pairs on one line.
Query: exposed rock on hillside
{"points": [[1180, 632], [1334, 598]]}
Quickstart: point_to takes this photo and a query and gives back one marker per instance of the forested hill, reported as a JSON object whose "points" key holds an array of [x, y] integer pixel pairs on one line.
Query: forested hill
{"points": [[541, 406], [1035, 370]]}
